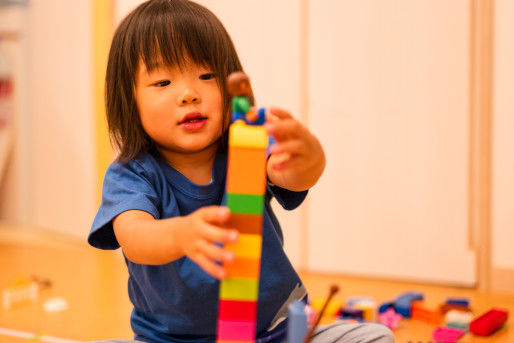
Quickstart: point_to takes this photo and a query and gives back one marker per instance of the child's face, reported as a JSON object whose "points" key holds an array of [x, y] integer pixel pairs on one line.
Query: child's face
{"points": [[180, 109]]}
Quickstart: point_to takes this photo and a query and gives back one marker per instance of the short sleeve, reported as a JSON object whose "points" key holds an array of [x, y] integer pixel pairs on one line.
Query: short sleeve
{"points": [[289, 200], [126, 187]]}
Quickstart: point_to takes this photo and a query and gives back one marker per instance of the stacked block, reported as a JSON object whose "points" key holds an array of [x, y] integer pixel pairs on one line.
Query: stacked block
{"points": [[246, 186]]}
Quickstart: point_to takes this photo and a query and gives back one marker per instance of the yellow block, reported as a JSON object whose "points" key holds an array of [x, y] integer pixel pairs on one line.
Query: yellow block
{"points": [[248, 245], [248, 136]]}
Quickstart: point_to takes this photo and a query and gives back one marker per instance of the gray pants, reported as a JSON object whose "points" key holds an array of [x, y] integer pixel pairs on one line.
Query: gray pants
{"points": [[338, 332]]}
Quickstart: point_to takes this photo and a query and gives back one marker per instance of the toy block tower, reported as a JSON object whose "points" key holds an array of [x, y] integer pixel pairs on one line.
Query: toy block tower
{"points": [[246, 186]]}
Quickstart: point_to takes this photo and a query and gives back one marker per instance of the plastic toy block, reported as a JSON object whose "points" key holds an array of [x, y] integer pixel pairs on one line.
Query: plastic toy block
{"points": [[247, 136], [245, 203], [239, 289], [403, 302], [297, 326], [248, 246], [447, 335], [331, 312], [458, 319], [244, 268], [236, 330], [420, 312], [488, 322], [351, 301], [458, 301], [246, 223], [352, 313], [448, 307], [390, 318], [237, 310], [19, 292], [368, 308], [247, 171], [386, 306]]}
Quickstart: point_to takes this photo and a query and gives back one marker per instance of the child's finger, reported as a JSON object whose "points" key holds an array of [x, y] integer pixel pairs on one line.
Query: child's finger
{"points": [[215, 252], [210, 267], [293, 147], [216, 234], [284, 129], [215, 214], [282, 114]]}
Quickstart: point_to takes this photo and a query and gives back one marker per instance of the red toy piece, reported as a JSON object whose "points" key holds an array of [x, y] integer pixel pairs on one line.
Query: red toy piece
{"points": [[488, 322]]}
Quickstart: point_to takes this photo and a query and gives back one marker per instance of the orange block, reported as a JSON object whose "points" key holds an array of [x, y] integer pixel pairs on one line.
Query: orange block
{"points": [[418, 311], [246, 171], [243, 268], [245, 223]]}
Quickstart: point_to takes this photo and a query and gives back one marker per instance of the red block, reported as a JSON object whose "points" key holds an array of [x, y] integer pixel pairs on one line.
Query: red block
{"points": [[237, 310], [489, 322]]}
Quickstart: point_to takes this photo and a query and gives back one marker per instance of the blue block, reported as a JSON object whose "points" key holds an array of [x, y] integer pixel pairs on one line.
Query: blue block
{"points": [[457, 301], [386, 306], [351, 313], [403, 302], [297, 326]]}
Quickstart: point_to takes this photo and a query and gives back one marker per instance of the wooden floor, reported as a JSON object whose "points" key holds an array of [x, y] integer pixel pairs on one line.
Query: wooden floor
{"points": [[94, 284]]}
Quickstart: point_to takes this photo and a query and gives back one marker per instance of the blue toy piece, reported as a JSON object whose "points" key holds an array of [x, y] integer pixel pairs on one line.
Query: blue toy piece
{"points": [[297, 322], [348, 312], [403, 303], [457, 301], [386, 306]]}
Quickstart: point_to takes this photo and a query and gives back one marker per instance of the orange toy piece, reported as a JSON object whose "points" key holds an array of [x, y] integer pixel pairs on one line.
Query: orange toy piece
{"points": [[420, 312], [251, 165], [244, 267]]}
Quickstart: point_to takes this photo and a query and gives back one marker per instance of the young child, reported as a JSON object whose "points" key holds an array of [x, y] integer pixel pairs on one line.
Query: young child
{"points": [[168, 112]]}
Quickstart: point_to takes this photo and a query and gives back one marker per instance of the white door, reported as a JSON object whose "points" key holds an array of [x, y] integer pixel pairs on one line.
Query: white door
{"points": [[389, 98]]}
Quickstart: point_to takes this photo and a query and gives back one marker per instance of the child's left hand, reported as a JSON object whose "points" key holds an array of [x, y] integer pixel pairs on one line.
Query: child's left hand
{"points": [[297, 160]]}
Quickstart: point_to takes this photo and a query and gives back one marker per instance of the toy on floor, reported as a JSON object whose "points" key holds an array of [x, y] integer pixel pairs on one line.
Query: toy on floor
{"points": [[20, 291], [447, 335], [489, 322], [331, 312], [390, 318], [246, 182], [403, 302], [458, 319], [420, 312]]}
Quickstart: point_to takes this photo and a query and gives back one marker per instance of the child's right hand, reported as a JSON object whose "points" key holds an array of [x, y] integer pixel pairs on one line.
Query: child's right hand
{"points": [[203, 229]]}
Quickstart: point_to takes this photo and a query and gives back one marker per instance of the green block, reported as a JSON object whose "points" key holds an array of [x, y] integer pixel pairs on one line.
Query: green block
{"points": [[245, 203], [239, 289]]}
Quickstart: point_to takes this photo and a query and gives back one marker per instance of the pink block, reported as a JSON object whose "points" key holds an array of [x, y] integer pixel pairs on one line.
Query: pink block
{"points": [[229, 330], [447, 335]]}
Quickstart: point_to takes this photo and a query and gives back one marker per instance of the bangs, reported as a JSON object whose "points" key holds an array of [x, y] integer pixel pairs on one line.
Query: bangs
{"points": [[179, 32]]}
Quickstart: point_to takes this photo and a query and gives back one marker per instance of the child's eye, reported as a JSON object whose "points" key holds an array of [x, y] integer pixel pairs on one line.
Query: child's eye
{"points": [[162, 83], [208, 76]]}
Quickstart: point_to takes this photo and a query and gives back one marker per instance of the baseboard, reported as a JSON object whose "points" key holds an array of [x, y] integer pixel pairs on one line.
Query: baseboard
{"points": [[502, 280]]}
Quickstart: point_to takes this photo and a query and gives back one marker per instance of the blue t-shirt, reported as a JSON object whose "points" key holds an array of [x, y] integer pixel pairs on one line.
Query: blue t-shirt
{"points": [[178, 301]]}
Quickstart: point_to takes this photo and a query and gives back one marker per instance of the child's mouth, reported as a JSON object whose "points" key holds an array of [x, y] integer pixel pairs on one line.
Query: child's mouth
{"points": [[193, 121]]}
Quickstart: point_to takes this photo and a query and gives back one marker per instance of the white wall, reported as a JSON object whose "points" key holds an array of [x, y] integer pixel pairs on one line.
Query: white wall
{"points": [[503, 137], [62, 115], [16, 185], [60, 140]]}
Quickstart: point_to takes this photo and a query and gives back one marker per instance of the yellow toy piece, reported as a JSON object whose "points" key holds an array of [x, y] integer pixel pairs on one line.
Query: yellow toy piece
{"points": [[331, 311], [239, 289], [246, 246], [247, 136]]}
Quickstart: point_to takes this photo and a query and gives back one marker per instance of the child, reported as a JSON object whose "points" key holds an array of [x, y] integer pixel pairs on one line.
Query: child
{"points": [[168, 112]]}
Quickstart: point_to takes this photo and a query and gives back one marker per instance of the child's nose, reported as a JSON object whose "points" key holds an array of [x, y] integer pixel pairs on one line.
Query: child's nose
{"points": [[188, 97]]}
